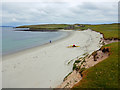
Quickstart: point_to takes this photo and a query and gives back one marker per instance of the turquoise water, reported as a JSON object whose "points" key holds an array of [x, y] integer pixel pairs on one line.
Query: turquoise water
{"points": [[13, 41]]}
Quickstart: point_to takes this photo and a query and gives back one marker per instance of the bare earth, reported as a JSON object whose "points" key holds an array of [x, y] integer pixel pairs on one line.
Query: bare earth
{"points": [[46, 66]]}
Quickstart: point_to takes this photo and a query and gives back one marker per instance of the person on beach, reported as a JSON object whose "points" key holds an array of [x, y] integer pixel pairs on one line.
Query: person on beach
{"points": [[50, 41]]}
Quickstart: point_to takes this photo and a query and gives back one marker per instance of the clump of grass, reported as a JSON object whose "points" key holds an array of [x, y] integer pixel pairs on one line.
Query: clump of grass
{"points": [[85, 54], [81, 70], [70, 61], [74, 66], [83, 61], [77, 61], [103, 43]]}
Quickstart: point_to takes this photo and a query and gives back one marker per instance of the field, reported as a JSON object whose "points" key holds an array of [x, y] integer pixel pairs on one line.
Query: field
{"points": [[103, 74], [45, 26], [110, 31]]}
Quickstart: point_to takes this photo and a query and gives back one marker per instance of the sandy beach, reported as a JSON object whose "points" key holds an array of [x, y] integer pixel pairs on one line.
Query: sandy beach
{"points": [[46, 66]]}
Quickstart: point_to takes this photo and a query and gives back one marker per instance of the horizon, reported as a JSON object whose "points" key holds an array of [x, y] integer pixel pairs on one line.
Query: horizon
{"points": [[58, 23]]}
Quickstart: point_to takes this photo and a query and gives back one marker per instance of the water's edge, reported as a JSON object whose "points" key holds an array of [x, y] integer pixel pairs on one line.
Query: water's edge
{"points": [[58, 36], [68, 34]]}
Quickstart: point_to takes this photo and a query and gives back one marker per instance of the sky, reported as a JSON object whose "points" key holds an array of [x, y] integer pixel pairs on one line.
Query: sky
{"points": [[24, 12]]}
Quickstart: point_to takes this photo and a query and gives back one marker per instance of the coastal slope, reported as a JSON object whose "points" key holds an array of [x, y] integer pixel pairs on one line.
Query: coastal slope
{"points": [[45, 67]]}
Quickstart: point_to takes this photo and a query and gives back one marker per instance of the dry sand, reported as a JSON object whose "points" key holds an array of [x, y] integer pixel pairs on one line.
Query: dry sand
{"points": [[46, 66]]}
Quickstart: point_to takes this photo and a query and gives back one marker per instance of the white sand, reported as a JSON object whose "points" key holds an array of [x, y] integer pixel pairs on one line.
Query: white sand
{"points": [[45, 67]]}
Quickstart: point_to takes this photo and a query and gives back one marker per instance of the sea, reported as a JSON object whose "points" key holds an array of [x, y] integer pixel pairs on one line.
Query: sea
{"points": [[14, 41]]}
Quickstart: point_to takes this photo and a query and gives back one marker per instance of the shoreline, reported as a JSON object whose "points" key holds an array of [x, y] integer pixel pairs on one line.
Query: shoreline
{"points": [[68, 32], [36, 64]]}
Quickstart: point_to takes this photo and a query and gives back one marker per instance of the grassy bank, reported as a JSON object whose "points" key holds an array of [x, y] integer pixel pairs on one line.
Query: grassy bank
{"points": [[110, 31], [103, 74]]}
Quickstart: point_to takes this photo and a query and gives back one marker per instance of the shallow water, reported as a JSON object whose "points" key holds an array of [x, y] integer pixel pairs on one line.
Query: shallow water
{"points": [[13, 41]]}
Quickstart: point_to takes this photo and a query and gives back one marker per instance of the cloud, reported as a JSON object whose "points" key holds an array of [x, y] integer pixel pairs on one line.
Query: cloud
{"points": [[60, 1], [15, 13]]}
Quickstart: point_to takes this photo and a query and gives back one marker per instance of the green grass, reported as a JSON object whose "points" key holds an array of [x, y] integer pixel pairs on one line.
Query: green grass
{"points": [[103, 74], [74, 66], [50, 26], [109, 30], [81, 70], [77, 61], [45, 26]]}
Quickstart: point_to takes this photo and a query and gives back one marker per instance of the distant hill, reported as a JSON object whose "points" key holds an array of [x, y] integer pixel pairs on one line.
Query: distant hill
{"points": [[6, 26]]}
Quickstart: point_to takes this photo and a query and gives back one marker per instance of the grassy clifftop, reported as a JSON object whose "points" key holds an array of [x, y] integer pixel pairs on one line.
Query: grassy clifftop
{"points": [[104, 74], [110, 31]]}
